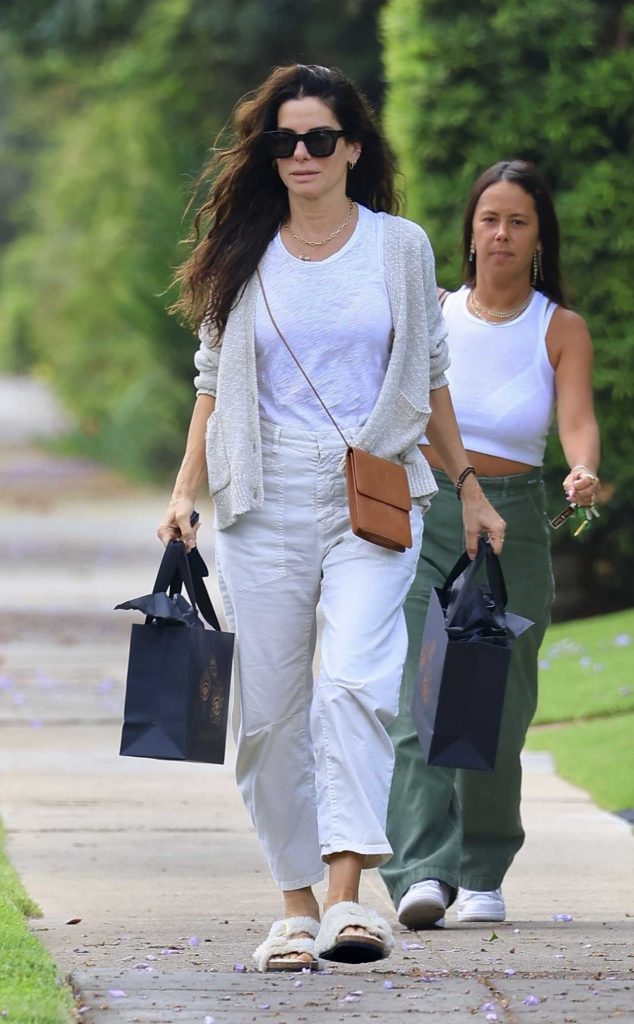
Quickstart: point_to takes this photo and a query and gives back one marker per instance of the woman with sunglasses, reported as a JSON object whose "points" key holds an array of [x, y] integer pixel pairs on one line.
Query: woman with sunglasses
{"points": [[517, 353], [300, 244]]}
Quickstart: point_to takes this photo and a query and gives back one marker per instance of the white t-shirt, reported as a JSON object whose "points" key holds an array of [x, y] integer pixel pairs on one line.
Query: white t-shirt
{"points": [[335, 315]]}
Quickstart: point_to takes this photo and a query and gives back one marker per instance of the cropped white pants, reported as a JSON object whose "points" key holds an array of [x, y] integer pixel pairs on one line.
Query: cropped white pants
{"points": [[314, 758]]}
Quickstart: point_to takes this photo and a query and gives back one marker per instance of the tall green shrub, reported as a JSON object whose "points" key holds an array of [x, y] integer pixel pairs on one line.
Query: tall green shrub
{"points": [[470, 84]]}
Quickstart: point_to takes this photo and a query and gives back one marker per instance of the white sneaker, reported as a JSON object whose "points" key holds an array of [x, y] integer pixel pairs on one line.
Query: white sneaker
{"points": [[481, 906], [424, 904]]}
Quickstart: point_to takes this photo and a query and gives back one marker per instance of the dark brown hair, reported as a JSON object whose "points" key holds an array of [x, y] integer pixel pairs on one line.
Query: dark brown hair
{"points": [[526, 175], [247, 201]]}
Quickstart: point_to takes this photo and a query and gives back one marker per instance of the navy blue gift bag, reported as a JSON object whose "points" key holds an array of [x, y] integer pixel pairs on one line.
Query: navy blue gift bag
{"points": [[179, 672], [461, 678]]}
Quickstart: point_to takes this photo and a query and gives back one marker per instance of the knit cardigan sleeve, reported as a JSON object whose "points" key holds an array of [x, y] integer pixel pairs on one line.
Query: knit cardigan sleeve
{"points": [[206, 361], [437, 331]]}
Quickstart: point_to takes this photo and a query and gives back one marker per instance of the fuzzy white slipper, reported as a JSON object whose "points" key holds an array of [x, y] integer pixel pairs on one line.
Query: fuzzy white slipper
{"points": [[284, 942], [374, 943]]}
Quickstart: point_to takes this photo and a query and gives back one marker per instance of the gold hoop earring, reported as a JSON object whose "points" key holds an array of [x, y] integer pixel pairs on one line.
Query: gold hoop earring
{"points": [[472, 251]]}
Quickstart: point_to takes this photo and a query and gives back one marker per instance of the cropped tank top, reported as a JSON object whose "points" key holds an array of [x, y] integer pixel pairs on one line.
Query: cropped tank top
{"points": [[501, 381]]}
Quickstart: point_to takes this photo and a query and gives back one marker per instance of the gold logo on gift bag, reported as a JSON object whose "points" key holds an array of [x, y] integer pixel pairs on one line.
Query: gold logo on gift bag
{"points": [[424, 667], [210, 690]]}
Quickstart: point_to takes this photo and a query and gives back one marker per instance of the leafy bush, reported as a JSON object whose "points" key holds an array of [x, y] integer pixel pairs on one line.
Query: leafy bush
{"points": [[471, 84]]}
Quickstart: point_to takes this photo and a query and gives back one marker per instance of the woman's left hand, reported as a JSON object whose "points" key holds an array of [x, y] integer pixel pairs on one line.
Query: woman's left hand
{"points": [[581, 486]]}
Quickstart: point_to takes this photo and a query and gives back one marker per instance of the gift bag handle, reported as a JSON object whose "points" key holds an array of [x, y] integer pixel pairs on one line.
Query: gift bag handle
{"points": [[196, 567], [469, 567], [176, 569]]}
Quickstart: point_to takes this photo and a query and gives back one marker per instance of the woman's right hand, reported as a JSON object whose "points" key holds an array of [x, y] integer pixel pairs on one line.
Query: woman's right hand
{"points": [[175, 524]]}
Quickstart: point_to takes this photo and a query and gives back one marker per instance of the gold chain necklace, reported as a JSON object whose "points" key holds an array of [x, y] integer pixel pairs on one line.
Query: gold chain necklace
{"points": [[482, 311], [323, 241]]}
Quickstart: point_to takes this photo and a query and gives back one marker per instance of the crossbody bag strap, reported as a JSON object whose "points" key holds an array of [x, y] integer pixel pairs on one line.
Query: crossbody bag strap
{"points": [[299, 365]]}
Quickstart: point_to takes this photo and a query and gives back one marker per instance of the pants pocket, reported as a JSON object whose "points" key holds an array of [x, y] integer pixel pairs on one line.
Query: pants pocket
{"points": [[252, 550]]}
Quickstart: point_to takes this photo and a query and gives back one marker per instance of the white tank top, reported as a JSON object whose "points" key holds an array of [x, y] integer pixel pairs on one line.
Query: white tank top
{"points": [[501, 381], [335, 315]]}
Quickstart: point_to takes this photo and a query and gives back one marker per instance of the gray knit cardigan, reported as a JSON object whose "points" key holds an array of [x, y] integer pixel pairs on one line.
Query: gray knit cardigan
{"points": [[418, 359]]}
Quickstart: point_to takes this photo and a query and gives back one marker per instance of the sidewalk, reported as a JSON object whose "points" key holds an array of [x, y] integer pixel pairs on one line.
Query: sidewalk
{"points": [[157, 863]]}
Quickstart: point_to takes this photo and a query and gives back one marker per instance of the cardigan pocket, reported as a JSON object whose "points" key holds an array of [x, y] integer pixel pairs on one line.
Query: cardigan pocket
{"points": [[218, 468], [413, 415]]}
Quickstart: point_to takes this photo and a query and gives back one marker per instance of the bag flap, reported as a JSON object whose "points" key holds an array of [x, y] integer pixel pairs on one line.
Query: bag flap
{"points": [[380, 479]]}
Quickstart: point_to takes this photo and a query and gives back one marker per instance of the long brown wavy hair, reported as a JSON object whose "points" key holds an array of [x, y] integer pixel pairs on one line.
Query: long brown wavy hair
{"points": [[526, 175], [246, 200]]}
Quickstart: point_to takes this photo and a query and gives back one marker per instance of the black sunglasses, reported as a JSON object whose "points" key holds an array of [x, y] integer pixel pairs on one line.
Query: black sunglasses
{"points": [[318, 142]]}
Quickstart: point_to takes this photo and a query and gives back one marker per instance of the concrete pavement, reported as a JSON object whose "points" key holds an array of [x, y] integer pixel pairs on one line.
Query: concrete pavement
{"points": [[153, 887]]}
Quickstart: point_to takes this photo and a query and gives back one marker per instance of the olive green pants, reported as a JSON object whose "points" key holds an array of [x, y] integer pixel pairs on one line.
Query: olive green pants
{"points": [[462, 826]]}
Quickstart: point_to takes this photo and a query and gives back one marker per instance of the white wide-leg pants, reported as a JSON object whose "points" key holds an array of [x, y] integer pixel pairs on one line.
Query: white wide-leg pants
{"points": [[314, 758]]}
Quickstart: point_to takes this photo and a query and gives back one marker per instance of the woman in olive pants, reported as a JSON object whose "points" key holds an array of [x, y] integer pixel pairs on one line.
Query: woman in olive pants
{"points": [[431, 836]]}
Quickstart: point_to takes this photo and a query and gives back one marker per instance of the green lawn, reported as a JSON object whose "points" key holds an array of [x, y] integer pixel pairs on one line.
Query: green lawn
{"points": [[586, 689], [596, 755], [587, 668], [30, 990]]}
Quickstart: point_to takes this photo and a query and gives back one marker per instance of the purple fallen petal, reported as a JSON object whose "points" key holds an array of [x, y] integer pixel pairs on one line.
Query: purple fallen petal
{"points": [[142, 967], [510, 971], [264, 1006], [239, 968], [562, 917], [297, 984], [117, 993], [388, 984], [532, 1001], [194, 941], [412, 945], [352, 999], [491, 1016], [488, 1007]]}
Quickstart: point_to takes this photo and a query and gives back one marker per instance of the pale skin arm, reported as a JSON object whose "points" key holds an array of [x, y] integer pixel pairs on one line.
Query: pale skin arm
{"points": [[478, 515], [570, 352], [175, 523]]}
